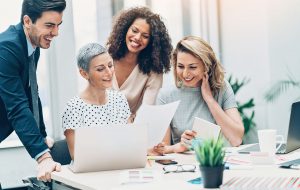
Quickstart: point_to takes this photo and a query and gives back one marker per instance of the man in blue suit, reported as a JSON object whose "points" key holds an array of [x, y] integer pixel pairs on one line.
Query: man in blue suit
{"points": [[19, 47]]}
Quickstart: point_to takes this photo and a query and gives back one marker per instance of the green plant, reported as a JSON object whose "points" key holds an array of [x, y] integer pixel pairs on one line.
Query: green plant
{"points": [[210, 152], [281, 87], [248, 120]]}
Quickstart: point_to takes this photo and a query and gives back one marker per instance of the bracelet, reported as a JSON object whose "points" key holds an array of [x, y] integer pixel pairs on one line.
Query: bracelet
{"points": [[45, 157]]}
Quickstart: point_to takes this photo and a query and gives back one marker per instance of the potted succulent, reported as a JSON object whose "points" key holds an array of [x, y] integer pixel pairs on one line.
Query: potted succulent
{"points": [[210, 155]]}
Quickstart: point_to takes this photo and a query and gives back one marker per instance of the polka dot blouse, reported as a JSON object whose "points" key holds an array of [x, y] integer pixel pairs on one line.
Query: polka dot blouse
{"points": [[80, 114]]}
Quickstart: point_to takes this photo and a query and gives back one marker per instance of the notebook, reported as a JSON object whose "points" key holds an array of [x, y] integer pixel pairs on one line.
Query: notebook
{"points": [[293, 138], [110, 147], [206, 129]]}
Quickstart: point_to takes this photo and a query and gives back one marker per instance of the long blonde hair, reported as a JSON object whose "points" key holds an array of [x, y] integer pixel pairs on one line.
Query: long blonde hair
{"points": [[199, 48]]}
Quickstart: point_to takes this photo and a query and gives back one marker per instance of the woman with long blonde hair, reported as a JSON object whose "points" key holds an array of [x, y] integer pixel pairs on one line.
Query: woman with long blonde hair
{"points": [[203, 92]]}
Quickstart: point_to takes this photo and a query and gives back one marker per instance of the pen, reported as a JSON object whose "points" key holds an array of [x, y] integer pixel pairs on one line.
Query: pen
{"points": [[238, 167]]}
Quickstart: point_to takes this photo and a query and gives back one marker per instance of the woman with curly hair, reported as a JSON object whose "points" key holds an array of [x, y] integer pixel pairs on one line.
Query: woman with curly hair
{"points": [[141, 49], [203, 92]]}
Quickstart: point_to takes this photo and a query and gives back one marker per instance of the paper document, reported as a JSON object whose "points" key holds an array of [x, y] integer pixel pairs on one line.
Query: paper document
{"points": [[138, 176], [157, 118], [206, 129]]}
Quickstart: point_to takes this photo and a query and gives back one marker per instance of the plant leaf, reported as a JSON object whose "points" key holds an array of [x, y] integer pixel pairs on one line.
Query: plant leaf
{"points": [[210, 152], [280, 87]]}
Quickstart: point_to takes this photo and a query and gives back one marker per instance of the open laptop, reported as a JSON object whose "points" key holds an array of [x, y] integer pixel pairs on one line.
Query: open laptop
{"points": [[110, 147], [293, 138]]}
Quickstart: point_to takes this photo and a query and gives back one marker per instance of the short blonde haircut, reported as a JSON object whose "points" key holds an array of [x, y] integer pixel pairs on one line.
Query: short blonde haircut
{"points": [[200, 49]]}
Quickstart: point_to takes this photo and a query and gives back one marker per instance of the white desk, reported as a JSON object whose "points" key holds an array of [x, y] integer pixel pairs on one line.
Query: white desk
{"points": [[110, 179]]}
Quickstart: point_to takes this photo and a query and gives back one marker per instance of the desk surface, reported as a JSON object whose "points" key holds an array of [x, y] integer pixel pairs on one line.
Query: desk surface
{"points": [[110, 179]]}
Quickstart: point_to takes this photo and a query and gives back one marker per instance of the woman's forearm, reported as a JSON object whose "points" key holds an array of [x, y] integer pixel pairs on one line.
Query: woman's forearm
{"points": [[229, 121]]}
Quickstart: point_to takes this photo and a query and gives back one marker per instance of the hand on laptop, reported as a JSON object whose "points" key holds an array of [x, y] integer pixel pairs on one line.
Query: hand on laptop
{"points": [[46, 165]]}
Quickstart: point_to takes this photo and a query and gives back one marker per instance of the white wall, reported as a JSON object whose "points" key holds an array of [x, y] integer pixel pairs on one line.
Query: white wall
{"points": [[259, 38], [284, 43], [171, 14]]}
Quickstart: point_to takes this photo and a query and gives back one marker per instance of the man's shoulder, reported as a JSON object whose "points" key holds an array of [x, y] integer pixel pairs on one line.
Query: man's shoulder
{"points": [[11, 39], [10, 34]]}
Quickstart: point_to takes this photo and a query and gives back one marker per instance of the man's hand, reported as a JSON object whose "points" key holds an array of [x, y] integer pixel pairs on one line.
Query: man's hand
{"points": [[46, 165]]}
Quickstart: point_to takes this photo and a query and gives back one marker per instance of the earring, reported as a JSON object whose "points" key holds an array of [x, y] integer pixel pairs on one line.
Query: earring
{"points": [[179, 82]]}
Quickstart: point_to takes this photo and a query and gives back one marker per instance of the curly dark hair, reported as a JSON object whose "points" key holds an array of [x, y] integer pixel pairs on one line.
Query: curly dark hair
{"points": [[157, 55]]}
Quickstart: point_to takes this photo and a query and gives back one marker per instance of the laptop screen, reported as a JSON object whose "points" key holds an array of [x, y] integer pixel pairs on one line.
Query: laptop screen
{"points": [[293, 138], [109, 147]]}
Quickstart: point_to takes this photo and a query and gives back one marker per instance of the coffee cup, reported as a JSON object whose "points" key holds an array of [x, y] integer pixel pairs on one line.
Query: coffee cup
{"points": [[267, 139]]}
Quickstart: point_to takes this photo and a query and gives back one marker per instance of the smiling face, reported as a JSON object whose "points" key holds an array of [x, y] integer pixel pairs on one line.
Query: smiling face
{"points": [[138, 36], [189, 69], [42, 32], [100, 72]]}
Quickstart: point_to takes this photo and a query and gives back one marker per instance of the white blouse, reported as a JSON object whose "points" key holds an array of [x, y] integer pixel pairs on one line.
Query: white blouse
{"points": [[80, 114]]}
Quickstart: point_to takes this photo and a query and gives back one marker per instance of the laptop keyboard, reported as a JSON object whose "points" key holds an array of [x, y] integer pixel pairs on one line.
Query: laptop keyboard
{"points": [[255, 147]]}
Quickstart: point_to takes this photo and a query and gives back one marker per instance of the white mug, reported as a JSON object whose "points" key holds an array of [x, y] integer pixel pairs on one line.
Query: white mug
{"points": [[267, 139]]}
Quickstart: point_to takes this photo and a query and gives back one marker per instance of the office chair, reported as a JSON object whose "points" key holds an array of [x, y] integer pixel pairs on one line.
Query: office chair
{"points": [[60, 152]]}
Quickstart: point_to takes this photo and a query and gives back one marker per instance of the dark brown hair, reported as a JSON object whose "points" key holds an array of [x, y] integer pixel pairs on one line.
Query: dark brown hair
{"points": [[156, 56], [35, 8]]}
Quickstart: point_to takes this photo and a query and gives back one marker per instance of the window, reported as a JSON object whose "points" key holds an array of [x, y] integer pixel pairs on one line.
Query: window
{"points": [[92, 23]]}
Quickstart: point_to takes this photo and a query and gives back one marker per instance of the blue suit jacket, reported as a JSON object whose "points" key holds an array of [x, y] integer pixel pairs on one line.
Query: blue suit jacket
{"points": [[15, 96]]}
